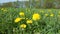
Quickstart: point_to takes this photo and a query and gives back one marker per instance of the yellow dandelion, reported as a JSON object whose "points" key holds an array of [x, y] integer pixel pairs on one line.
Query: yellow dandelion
{"points": [[17, 20], [21, 13], [23, 25], [29, 21], [36, 16], [51, 15], [46, 14]]}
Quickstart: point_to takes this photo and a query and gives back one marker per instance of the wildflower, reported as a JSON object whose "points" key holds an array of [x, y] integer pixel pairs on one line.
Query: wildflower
{"points": [[21, 13], [29, 21], [17, 20], [23, 25], [36, 16], [46, 14], [51, 15]]}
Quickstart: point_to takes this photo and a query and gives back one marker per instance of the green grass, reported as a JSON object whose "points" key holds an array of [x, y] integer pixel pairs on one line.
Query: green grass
{"points": [[46, 25]]}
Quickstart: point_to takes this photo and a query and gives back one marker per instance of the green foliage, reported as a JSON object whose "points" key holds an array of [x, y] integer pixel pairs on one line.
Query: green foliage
{"points": [[46, 25]]}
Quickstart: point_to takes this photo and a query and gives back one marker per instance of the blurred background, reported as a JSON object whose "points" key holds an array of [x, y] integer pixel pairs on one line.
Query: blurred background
{"points": [[30, 3]]}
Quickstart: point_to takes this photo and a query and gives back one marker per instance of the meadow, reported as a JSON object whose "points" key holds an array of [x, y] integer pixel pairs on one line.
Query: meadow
{"points": [[29, 21]]}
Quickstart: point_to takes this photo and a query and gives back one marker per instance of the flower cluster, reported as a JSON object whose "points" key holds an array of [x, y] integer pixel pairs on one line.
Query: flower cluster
{"points": [[35, 17]]}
